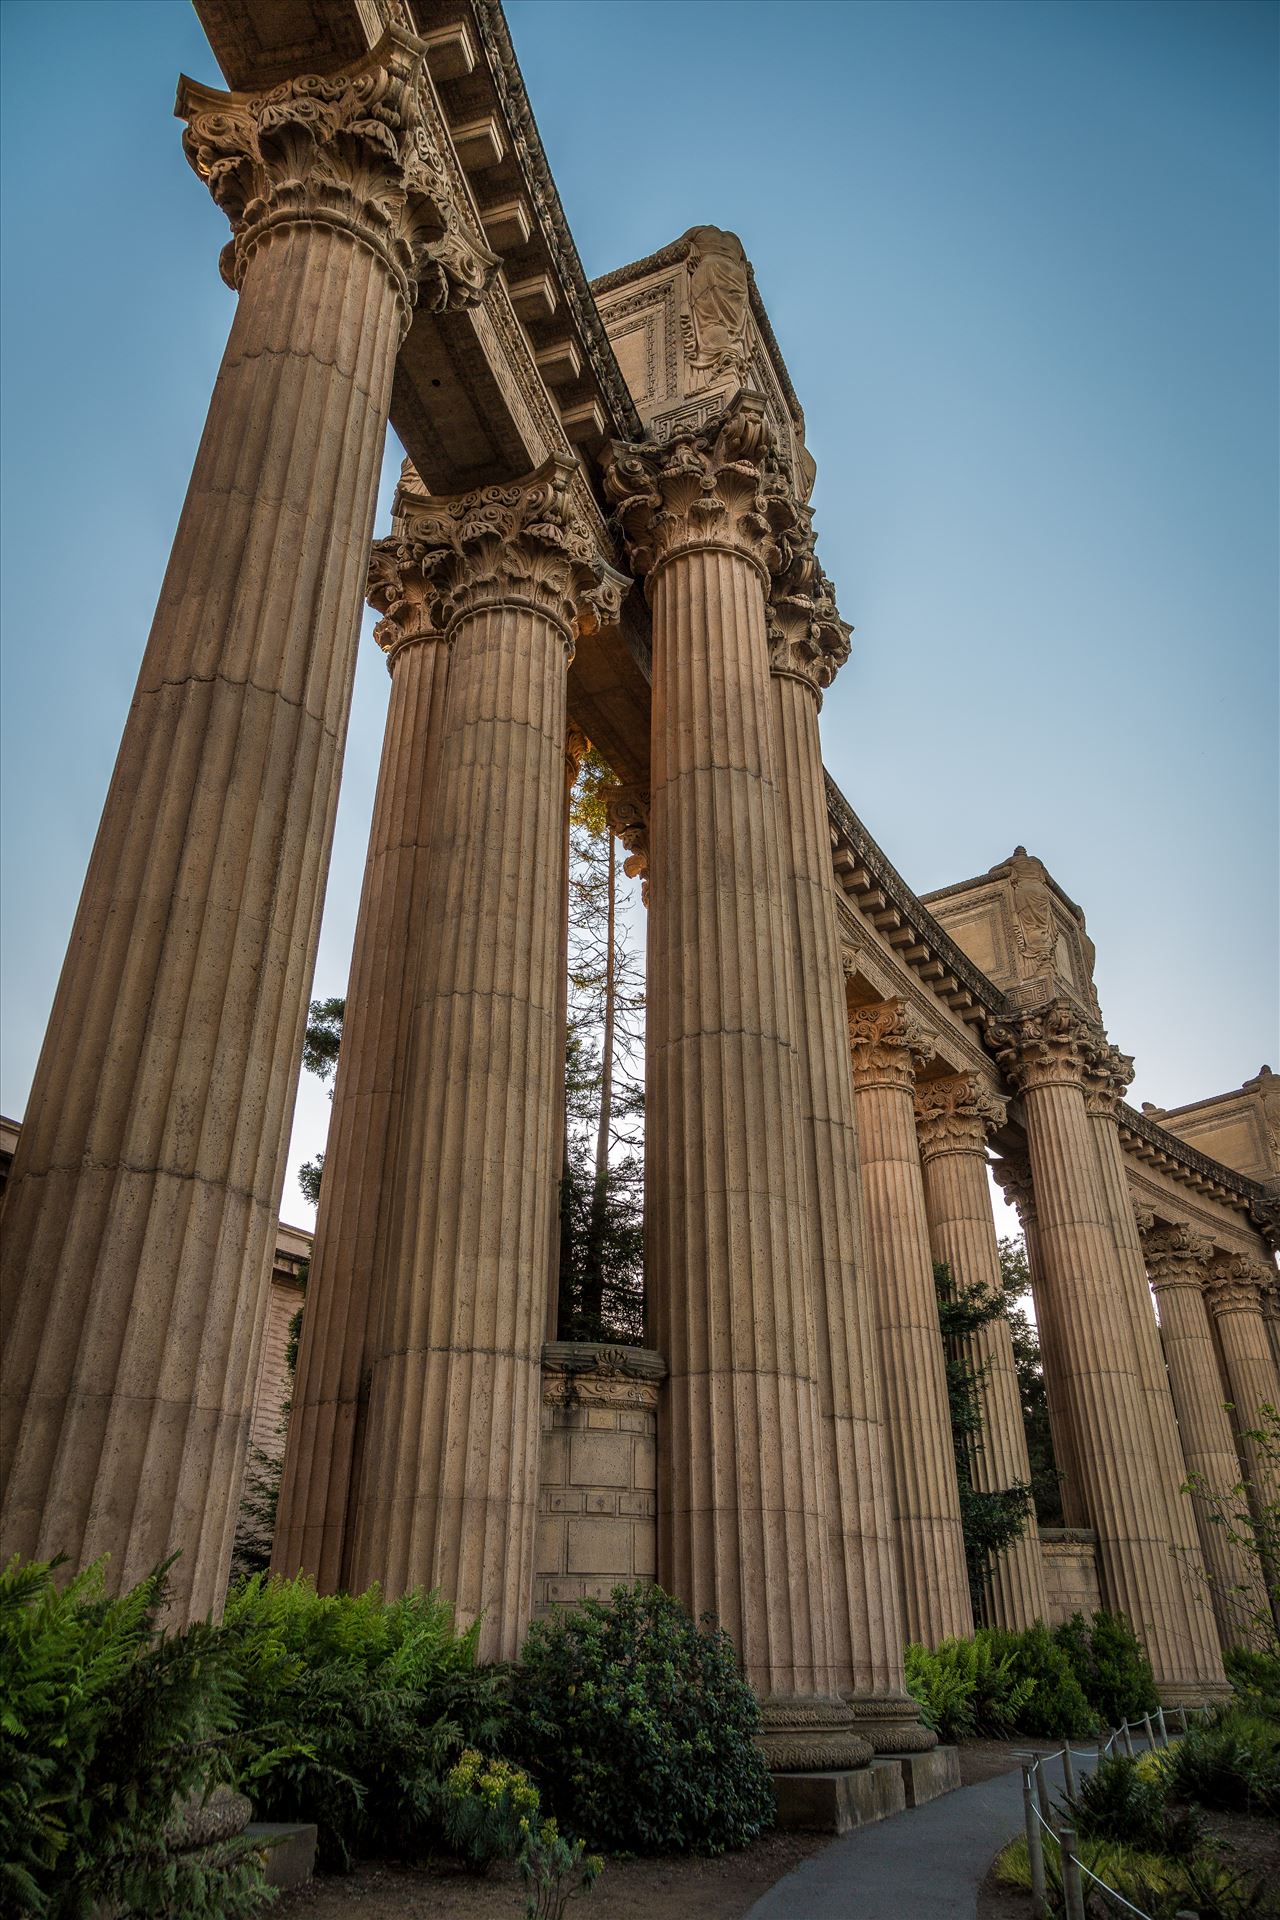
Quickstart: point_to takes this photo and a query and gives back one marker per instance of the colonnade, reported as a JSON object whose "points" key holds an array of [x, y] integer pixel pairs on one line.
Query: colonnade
{"points": [[810, 1154]]}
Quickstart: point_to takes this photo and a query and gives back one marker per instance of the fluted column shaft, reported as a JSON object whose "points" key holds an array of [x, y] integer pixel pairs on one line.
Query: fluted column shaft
{"points": [[922, 1468], [1119, 1468], [866, 1611], [334, 1352], [1235, 1303], [141, 1208], [449, 1475], [1176, 1259], [1103, 1089], [953, 1117]]}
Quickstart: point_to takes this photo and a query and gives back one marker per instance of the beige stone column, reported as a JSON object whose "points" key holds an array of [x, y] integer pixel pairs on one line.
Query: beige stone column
{"points": [[1107, 1077], [887, 1041], [1046, 1052], [448, 1490], [1271, 1315], [1013, 1175], [953, 1119], [1234, 1292], [742, 1510], [576, 746], [333, 1353], [1177, 1261], [809, 644], [140, 1215]]}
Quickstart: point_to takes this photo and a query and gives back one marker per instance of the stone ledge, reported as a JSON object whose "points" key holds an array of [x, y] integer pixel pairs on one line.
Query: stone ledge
{"points": [[288, 1852], [926, 1776], [839, 1802]]}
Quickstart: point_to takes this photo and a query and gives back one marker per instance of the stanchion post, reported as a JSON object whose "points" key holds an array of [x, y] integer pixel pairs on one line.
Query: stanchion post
{"points": [[1042, 1794], [1069, 1774], [1072, 1891], [1035, 1848], [1151, 1732], [1163, 1725], [1127, 1737]]}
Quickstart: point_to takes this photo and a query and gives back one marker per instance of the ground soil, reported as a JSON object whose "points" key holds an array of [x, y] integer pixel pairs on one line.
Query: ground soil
{"points": [[674, 1889]]}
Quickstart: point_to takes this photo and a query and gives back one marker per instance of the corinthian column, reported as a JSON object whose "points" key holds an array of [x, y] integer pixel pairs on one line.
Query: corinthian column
{"points": [[1107, 1076], [1177, 1261], [953, 1119], [1234, 1293], [333, 1356], [1046, 1052], [887, 1042], [743, 1518], [141, 1209], [449, 1479], [809, 644]]}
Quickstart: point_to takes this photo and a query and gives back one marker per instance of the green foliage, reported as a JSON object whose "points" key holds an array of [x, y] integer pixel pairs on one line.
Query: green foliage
{"points": [[1205, 1884], [1111, 1666], [1119, 1802], [489, 1808], [990, 1519], [554, 1871], [638, 1727], [1046, 1482], [1231, 1760], [107, 1727], [1057, 1708], [1248, 1514], [323, 1037], [966, 1689], [1255, 1679], [354, 1710]]}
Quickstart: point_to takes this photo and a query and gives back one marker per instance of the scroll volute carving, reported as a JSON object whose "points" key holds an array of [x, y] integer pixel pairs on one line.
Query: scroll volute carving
{"points": [[1045, 1046], [957, 1114], [627, 811], [358, 149], [1176, 1255], [887, 1042]]}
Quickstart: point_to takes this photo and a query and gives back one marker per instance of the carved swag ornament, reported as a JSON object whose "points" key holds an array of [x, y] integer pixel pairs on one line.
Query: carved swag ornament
{"points": [[358, 150]]}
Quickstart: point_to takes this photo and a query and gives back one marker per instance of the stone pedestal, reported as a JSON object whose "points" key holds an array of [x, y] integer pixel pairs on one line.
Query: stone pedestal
{"points": [[1046, 1053], [886, 1042], [334, 1351], [742, 1508], [809, 643], [597, 1477], [448, 1491], [141, 1209], [953, 1118], [1070, 1556], [1178, 1262]]}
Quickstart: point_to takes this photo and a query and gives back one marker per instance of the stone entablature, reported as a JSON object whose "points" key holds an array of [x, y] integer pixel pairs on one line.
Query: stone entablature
{"points": [[1018, 925], [1241, 1129]]}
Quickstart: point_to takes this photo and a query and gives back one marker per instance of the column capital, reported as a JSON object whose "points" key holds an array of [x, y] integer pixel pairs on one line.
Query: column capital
{"points": [[720, 486], [808, 641], [1108, 1074], [1176, 1256], [627, 811], [887, 1042], [1012, 1174], [576, 748], [1234, 1284], [957, 1114], [1050, 1045], [523, 544], [398, 590], [360, 149]]}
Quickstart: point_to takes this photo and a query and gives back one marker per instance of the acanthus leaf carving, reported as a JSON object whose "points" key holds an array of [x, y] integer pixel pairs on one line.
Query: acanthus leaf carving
{"points": [[956, 1114], [1176, 1255], [1235, 1284], [1049, 1045], [398, 590], [887, 1042], [627, 811], [524, 543], [356, 149]]}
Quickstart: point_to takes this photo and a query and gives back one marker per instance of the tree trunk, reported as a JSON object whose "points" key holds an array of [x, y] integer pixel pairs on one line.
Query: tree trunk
{"points": [[593, 1283]]}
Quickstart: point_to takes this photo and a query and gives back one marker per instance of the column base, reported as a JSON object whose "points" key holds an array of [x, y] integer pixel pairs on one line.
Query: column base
{"points": [[839, 1802], [927, 1776], [890, 1721], [1193, 1693], [809, 1733]]}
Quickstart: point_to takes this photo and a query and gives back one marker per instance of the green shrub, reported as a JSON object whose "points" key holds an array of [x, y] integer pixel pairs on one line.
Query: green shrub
{"points": [[355, 1708], [107, 1727], [489, 1809], [967, 1687], [1205, 1884], [638, 1727], [1111, 1666], [553, 1871], [1230, 1760], [1255, 1679], [1056, 1708], [1119, 1801]]}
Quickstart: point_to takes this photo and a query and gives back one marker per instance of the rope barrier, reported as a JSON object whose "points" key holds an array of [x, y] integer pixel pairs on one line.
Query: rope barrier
{"points": [[1111, 1892]]}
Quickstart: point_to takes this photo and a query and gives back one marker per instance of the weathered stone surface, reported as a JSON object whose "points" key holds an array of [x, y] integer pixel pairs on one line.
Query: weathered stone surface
{"points": [[837, 1802]]}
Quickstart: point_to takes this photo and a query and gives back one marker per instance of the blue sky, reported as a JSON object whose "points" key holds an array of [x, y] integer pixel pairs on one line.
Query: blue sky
{"points": [[1022, 261]]}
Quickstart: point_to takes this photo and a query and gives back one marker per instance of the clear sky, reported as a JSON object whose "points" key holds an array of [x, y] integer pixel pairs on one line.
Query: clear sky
{"points": [[1022, 261]]}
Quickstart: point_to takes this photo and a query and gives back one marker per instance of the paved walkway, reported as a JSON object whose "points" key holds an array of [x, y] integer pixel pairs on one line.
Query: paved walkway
{"points": [[926, 1864]]}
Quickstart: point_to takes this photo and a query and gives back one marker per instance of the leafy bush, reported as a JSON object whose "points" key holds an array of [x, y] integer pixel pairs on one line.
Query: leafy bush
{"points": [[1205, 1884], [1121, 1802], [965, 1687], [553, 1871], [1056, 1708], [489, 1809], [1111, 1666], [1255, 1679], [107, 1727], [638, 1727], [1229, 1760], [354, 1710]]}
